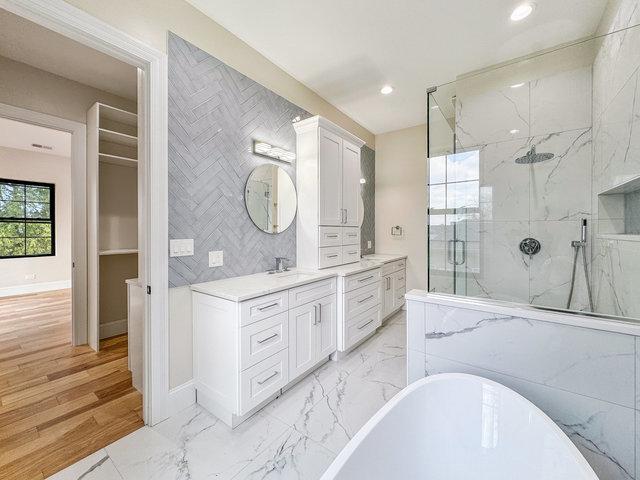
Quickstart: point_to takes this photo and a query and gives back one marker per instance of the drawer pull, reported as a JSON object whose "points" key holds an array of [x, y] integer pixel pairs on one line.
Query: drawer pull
{"points": [[332, 236], [268, 378], [352, 253], [332, 256], [365, 299], [400, 278], [351, 235], [366, 278], [271, 305], [362, 326], [268, 338]]}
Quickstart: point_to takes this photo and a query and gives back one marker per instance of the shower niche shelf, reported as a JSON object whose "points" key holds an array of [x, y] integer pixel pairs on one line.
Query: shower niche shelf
{"points": [[628, 186], [620, 237]]}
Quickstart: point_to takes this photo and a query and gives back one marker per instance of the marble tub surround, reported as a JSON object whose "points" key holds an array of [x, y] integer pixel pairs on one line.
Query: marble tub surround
{"points": [[297, 436], [580, 370]]}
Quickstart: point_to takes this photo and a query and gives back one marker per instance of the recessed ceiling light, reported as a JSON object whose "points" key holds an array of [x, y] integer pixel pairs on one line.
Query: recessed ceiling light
{"points": [[521, 12], [514, 131], [386, 90], [363, 181], [517, 85]]}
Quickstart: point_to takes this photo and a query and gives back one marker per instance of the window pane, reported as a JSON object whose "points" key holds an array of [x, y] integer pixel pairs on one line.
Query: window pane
{"points": [[11, 209], [463, 195], [437, 170], [11, 229], [11, 247], [437, 196], [38, 194], [38, 246], [463, 166], [11, 191], [37, 210], [38, 230]]}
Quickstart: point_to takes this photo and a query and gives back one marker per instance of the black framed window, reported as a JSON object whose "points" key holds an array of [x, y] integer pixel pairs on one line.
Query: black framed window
{"points": [[27, 219]]}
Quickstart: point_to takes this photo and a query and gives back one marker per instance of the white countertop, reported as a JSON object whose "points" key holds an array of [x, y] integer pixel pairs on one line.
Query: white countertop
{"points": [[384, 257], [596, 321], [238, 289]]}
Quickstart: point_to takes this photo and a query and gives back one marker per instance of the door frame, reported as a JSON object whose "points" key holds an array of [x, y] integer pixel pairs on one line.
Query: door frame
{"points": [[86, 29], [78, 208]]}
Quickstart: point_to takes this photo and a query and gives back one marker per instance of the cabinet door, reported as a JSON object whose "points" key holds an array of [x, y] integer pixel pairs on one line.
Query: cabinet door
{"points": [[399, 283], [330, 179], [387, 297], [326, 328], [350, 183], [302, 338]]}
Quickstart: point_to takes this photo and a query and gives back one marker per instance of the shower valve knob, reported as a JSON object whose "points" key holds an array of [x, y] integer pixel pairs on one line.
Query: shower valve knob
{"points": [[530, 246]]}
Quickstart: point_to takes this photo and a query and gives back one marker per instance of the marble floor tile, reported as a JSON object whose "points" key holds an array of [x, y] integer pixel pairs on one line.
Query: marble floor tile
{"points": [[291, 456], [97, 466]]}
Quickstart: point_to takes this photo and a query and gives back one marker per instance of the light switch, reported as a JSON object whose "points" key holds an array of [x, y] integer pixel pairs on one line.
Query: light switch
{"points": [[181, 247], [216, 258], [369, 244]]}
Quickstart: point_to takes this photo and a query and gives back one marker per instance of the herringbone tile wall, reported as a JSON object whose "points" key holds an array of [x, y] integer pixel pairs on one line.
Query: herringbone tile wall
{"points": [[368, 192], [215, 113]]}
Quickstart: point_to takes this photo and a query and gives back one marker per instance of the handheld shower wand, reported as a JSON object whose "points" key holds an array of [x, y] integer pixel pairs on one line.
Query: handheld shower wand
{"points": [[580, 245]]}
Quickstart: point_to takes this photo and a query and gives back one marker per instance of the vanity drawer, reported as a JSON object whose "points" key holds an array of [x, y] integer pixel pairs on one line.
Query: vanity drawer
{"points": [[263, 307], [350, 253], [391, 267], [330, 236], [312, 291], [330, 256], [362, 279], [350, 235], [401, 280], [398, 301], [262, 339], [264, 379], [359, 327], [360, 300]]}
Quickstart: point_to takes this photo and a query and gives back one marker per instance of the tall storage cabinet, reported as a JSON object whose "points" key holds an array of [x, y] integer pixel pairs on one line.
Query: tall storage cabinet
{"points": [[328, 184], [112, 217]]}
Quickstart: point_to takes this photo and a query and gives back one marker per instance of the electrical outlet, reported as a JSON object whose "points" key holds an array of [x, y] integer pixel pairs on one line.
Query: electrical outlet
{"points": [[369, 244], [216, 258], [182, 247]]}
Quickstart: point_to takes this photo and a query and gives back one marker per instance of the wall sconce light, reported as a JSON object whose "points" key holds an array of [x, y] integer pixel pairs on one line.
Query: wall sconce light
{"points": [[267, 150]]}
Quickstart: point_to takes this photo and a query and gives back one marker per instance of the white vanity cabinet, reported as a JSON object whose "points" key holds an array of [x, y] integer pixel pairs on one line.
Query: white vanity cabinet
{"points": [[328, 185], [393, 287], [246, 351], [359, 307]]}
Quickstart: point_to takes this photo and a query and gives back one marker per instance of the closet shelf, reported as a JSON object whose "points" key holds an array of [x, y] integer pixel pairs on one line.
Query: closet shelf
{"points": [[118, 251], [107, 112], [118, 160], [118, 138], [630, 185]]}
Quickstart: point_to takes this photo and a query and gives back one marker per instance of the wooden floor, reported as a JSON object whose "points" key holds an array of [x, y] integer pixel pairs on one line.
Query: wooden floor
{"points": [[58, 403]]}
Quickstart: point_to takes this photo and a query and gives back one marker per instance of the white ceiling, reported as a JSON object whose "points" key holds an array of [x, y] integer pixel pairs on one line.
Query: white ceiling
{"points": [[346, 50], [27, 42], [22, 135]]}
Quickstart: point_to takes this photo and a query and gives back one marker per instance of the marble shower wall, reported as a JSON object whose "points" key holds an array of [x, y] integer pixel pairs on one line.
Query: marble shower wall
{"points": [[616, 158], [544, 200], [584, 379]]}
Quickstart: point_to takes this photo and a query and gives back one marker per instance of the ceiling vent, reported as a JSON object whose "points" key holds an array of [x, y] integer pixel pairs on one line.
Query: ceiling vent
{"points": [[44, 147]]}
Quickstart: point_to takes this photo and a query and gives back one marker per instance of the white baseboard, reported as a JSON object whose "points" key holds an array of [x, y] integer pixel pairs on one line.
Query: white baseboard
{"points": [[34, 288], [111, 329], [181, 397]]}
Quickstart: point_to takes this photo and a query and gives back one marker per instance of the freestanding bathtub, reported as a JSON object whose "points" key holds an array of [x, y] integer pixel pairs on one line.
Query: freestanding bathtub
{"points": [[459, 427]]}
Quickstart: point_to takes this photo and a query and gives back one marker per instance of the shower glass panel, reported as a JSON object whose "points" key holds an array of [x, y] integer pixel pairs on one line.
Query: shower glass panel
{"points": [[520, 157]]}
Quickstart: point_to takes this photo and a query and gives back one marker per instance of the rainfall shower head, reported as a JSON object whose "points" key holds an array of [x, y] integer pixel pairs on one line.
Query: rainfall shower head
{"points": [[533, 157]]}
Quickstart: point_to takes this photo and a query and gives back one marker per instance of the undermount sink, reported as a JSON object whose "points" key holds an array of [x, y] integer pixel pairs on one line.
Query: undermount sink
{"points": [[286, 274]]}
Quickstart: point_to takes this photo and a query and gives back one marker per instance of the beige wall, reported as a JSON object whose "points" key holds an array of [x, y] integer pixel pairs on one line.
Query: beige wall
{"points": [[150, 20], [40, 167], [401, 199], [27, 87]]}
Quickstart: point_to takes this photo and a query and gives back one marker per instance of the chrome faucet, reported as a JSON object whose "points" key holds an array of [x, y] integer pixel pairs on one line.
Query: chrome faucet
{"points": [[280, 265]]}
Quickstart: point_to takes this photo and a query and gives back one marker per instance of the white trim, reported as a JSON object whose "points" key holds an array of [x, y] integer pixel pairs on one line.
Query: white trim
{"points": [[111, 329], [78, 25], [181, 397], [79, 205], [34, 288], [313, 123]]}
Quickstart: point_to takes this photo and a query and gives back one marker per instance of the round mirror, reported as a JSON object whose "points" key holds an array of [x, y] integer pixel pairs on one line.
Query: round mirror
{"points": [[270, 197]]}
